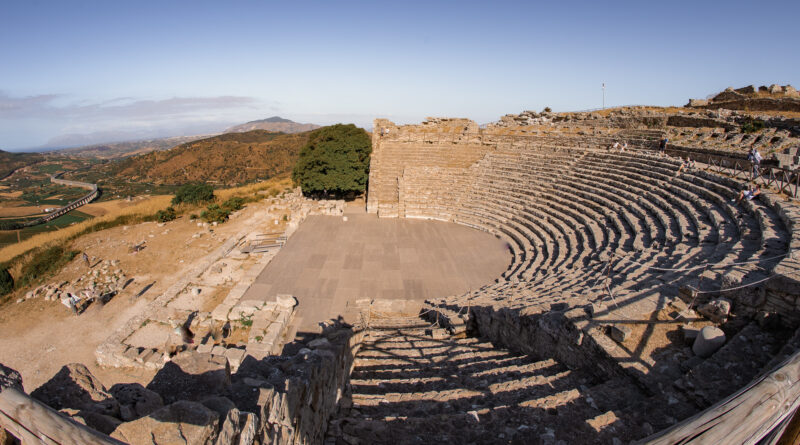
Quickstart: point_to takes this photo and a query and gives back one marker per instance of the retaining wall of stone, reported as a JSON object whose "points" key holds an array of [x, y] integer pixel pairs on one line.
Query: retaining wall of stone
{"points": [[296, 407]]}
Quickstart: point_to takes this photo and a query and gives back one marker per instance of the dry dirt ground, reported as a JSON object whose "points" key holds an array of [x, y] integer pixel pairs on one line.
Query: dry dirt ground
{"points": [[101, 208], [38, 337]]}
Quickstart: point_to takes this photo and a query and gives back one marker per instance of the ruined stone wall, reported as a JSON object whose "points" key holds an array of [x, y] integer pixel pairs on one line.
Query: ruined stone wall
{"points": [[295, 408], [772, 98], [446, 143], [756, 104]]}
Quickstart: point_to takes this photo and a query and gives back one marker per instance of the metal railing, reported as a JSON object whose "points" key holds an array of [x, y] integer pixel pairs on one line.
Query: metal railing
{"points": [[784, 180]]}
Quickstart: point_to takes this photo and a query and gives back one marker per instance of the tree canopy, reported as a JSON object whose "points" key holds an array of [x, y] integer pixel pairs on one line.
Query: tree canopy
{"points": [[335, 159]]}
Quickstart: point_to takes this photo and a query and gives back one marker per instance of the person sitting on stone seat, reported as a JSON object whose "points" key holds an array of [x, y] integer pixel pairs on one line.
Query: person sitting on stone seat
{"points": [[749, 194], [688, 163]]}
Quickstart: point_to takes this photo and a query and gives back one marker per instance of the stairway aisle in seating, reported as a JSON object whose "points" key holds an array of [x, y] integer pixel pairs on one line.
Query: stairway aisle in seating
{"points": [[416, 384]]}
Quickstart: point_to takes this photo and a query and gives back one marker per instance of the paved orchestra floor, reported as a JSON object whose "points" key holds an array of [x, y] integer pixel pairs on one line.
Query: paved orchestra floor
{"points": [[329, 262]]}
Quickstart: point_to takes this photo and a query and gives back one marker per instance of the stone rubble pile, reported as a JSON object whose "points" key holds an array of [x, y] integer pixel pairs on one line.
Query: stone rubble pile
{"points": [[101, 281]]}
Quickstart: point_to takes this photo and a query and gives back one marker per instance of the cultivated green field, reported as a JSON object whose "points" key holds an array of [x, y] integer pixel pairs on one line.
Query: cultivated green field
{"points": [[8, 237]]}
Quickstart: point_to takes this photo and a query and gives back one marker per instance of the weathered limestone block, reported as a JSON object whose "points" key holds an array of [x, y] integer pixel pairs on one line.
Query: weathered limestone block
{"points": [[192, 376], [716, 310], [100, 422], [182, 422], [283, 315], [235, 357], [285, 300], [258, 350], [75, 387], [245, 309], [272, 334], [138, 399]]}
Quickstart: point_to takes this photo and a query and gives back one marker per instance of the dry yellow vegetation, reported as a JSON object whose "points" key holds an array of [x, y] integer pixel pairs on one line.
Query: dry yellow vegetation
{"points": [[275, 185], [146, 206], [21, 211]]}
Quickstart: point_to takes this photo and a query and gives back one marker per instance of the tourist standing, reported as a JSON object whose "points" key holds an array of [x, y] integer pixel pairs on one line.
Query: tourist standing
{"points": [[755, 160], [662, 147]]}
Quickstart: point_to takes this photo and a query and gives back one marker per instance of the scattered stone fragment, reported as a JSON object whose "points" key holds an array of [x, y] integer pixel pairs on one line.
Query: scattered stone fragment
{"points": [[619, 333], [716, 310]]}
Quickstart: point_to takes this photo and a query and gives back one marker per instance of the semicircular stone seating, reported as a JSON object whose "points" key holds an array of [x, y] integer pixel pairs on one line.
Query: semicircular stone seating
{"points": [[565, 214], [615, 235]]}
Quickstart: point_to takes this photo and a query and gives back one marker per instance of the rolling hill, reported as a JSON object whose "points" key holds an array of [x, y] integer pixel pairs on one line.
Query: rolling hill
{"points": [[225, 159], [9, 162], [273, 123], [116, 150]]}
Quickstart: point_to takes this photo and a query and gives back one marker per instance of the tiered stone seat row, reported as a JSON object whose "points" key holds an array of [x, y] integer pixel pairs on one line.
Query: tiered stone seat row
{"points": [[563, 212], [766, 140]]}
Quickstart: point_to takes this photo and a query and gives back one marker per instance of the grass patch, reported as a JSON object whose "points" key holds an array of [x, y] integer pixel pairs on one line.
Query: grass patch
{"points": [[44, 264], [246, 320]]}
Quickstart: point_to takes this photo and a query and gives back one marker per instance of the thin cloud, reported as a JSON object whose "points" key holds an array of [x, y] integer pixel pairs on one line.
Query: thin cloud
{"points": [[48, 106]]}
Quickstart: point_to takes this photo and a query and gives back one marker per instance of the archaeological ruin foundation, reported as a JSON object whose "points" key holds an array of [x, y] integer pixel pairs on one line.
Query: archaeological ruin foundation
{"points": [[642, 303]]}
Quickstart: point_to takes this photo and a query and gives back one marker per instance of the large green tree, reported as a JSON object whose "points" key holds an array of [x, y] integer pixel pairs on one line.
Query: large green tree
{"points": [[335, 159]]}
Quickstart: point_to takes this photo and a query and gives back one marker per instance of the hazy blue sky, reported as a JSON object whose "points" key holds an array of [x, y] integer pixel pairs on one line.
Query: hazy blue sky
{"points": [[125, 70]]}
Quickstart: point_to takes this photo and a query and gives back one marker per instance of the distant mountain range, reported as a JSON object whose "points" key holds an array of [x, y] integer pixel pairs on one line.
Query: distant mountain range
{"points": [[125, 148], [273, 124]]}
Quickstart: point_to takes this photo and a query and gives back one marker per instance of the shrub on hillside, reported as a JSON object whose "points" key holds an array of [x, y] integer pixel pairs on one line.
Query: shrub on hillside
{"points": [[215, 213], [193, 194], [6, 282], [335, 160], [234, 204], [753, 126], [165, 215]]}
